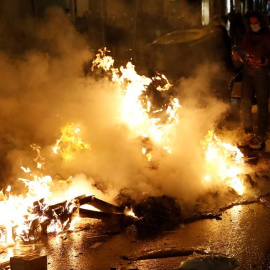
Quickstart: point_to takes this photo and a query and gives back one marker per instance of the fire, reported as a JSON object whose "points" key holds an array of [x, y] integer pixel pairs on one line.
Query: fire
{"points": [[138, 110], [70, 142], [103, 62], [148, 120], [156, 124], [25, 214], [40, 161], [224, 161], [129, 212], [16, 211]]}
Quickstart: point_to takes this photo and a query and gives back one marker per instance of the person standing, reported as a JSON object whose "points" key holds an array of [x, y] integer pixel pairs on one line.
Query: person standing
{"points": [[256, 58]]}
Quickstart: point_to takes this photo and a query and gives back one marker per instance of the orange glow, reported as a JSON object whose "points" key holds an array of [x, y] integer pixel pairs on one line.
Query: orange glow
{"points": [[23, 214], [129, 212], [224, 162], [70, 142], [155, 127], [134, 114]]}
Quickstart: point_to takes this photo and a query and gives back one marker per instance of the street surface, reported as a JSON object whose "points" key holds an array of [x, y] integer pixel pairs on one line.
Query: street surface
{"points": [[243, 233]]}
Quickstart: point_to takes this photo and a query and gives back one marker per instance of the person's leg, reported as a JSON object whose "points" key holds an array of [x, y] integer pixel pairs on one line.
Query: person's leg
{"points": [[246, 96], [261, 81]]}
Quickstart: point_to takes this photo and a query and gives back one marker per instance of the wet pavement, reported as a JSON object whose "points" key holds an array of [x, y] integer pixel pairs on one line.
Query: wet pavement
{"points": [[243, 233]]}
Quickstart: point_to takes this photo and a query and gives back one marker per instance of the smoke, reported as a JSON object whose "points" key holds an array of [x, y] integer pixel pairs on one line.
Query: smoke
{"points": [[43, 88], [38, 79]]}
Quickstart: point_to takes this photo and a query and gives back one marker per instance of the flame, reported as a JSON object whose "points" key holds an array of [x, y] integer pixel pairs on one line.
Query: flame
{"points": [[24, 214], [40, 161], [153, 124], [224, 161], [129, 212], [157, 125], [70, 142], [16, 210], [162, 77], [101, 61], [138, 111]]}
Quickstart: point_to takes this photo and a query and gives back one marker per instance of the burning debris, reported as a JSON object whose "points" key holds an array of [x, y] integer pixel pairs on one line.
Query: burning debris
{"points": [[225, 160], [157, 214], [150, 110], [153, 116], [154, 214], [44, 219], [155, 148], [154, 120]]}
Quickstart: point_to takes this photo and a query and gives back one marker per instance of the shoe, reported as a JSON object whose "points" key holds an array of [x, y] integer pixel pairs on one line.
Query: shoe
{"points": [[257, 143], [245, 140]]}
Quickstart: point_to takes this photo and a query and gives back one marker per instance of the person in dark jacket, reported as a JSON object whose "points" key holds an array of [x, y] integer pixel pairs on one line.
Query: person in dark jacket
{"points": [[256, 55]]}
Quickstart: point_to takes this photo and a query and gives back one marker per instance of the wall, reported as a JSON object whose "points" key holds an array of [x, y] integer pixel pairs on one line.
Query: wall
{"points": [[42, 5], [16, 8], [82, 7]]}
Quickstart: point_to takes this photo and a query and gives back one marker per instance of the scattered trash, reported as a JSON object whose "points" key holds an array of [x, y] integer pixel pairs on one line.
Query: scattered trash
{"points": [[156, 214]]}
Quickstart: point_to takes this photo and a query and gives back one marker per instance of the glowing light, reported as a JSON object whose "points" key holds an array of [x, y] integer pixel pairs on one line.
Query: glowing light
{"points": [[137, 108], [40, 161], [70, 142], [23, 214], [224, 161], [129, 212], [205, 12]]}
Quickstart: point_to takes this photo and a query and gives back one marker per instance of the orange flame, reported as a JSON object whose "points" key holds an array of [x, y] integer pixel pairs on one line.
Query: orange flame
{"points": [[23, 214], [134, 114], [224, 162], [70, 142]]}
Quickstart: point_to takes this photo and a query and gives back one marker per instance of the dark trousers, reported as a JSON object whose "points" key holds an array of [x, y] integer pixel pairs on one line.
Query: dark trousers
{"points": [[255, 81]]}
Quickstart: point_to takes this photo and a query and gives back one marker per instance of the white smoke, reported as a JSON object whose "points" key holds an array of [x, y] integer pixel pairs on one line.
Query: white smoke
{"points": [[44, 88]]}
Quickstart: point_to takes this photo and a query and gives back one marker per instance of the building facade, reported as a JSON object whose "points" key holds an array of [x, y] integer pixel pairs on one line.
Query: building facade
{"points": [[176, 11]]}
